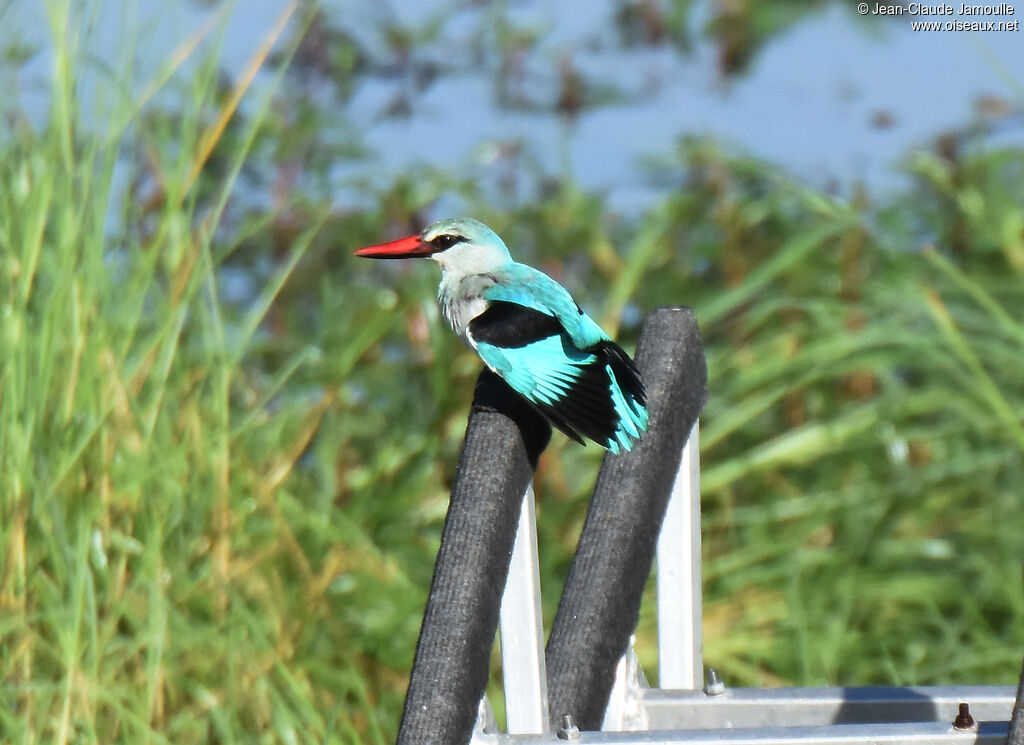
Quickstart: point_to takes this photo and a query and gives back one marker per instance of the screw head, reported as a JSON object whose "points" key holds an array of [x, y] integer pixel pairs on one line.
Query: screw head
{"points": [[714, 685], [964, 720], [568, 730]]}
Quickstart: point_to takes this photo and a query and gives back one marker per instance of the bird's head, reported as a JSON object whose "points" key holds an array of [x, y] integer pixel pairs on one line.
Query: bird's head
{"points": [[460, 245]]}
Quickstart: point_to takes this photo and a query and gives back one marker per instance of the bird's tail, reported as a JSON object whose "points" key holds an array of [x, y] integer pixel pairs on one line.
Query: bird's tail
{"points": [[628, 398]]}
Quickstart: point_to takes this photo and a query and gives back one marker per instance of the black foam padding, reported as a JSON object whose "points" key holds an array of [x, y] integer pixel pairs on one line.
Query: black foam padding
{"points": [[1016, 734], [601, 600], [504, 438]]}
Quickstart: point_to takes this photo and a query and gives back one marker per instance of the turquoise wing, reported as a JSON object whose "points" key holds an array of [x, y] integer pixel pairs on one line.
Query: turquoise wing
{"points": [[594, 392]]}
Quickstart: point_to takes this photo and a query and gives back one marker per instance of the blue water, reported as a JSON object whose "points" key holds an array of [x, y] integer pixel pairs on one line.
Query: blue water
{"points": [[834, 100]]}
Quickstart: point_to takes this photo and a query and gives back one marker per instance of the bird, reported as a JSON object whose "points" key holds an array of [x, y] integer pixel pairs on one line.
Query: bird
{"points": [[528, 329]]}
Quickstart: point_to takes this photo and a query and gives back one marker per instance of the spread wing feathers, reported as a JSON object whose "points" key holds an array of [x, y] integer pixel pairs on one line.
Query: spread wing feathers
{"points": [[594, 392]]}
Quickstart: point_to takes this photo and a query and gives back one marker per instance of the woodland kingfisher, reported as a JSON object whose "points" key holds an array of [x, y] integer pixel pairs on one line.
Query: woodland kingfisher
{"points": [[528, 329]]}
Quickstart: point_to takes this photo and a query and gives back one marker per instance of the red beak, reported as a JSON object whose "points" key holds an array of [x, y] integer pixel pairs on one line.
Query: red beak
{"points": [[404, 248]]}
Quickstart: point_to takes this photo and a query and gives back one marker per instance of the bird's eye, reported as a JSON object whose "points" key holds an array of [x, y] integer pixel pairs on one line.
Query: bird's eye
{"points": [[446, 240]]}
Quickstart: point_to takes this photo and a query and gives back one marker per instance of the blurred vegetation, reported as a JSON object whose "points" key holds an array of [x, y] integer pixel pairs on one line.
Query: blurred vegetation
{"points": [[226, 445]]}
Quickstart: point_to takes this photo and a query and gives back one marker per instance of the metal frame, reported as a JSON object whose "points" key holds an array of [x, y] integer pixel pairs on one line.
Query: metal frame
{"points": [[680, 630], [683, 710], [904, 733], [817, 707], [522, 630]]}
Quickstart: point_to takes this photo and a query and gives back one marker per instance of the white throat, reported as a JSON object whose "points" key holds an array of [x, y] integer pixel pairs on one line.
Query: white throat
{"points": [[461, 299]]}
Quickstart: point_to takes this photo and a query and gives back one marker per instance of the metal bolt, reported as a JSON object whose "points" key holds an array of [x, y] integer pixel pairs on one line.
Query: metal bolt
{"points": [[964, 720], [569, 730], [714, 685]]}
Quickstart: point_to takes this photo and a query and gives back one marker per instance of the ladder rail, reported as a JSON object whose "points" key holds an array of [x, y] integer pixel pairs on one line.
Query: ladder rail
{"points": [[522, 630], [680, 632]]}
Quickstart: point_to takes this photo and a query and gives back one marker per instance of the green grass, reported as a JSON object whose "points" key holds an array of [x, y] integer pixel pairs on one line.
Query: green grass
{"points": [[218, 514], [143, 478]]}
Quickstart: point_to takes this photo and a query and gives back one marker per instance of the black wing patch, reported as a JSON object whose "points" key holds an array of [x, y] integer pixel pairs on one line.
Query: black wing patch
{"points": [[506, 324], [625, 372], [587, 410]]}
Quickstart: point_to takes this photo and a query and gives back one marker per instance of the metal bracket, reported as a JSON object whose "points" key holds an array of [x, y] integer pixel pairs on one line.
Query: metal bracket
{"points": [[626, 712], [485, 731]]}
